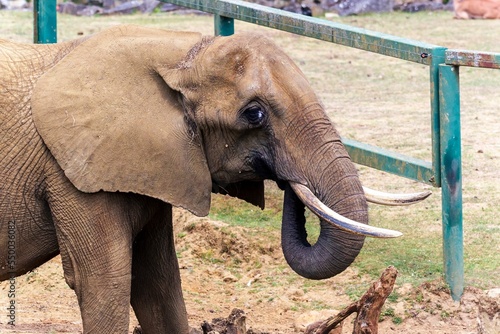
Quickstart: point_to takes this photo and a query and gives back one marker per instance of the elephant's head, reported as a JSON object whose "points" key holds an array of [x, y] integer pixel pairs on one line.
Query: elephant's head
{"points": [[177, 116]]}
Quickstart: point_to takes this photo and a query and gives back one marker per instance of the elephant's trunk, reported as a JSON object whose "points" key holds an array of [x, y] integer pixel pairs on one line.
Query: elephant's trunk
{"points": [[338, 187]]}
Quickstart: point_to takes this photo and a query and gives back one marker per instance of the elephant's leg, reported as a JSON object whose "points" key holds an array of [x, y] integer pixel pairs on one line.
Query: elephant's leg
{"points": [[32, 235], [95, 238], [156, 285]]}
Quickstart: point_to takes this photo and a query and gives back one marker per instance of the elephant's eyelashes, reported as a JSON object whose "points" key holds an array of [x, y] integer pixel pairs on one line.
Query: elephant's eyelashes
{"points": [[255, 115]]}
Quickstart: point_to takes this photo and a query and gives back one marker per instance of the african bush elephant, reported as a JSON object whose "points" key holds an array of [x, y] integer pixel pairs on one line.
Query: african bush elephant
{"points": [[101, 136]]}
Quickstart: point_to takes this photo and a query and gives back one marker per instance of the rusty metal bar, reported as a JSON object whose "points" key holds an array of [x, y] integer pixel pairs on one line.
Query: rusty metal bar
{"points": [[391, 162], [363, 39], [224, 26], [44, 21], [472, 58], [435, 123], [451, 179]]}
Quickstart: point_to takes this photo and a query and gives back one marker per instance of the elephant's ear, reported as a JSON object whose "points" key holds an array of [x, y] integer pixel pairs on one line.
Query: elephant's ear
{"points": [[113, 124]]}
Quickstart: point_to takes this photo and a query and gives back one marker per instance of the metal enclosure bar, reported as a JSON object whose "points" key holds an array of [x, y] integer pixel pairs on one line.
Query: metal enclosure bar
{"points": [[45, 21], [385, 44], [435, 107], [391, 162], [451, 182], [224, 26], [473, 58]]}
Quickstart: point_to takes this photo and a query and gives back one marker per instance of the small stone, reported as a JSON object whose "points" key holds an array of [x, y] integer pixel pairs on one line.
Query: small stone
{"points": [[229, 278], [493, 293]]}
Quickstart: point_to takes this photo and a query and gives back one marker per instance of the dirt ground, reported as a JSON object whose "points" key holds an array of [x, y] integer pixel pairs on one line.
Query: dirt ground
{"points": [[226, 268]]}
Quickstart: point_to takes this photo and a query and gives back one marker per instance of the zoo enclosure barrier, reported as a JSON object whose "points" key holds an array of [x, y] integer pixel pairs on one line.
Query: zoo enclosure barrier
{"points": [[445, 169]]}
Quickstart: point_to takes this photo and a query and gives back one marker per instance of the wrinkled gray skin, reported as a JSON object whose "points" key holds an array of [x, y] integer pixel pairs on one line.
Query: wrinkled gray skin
{"points": [[100, 137]]}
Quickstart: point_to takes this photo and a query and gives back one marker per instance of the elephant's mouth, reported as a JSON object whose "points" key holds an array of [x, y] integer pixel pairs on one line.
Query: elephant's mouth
{"points": [[262, 168]]}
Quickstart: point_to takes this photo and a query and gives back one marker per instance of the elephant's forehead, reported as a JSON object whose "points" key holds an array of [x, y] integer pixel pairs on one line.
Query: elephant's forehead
{"points": [[251, 44], [253, 63]]}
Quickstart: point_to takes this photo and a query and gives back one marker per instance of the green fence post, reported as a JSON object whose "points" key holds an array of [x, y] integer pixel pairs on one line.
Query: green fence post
{"points": [[437, 58], [224, 26], [451, 178], [45, 21]]}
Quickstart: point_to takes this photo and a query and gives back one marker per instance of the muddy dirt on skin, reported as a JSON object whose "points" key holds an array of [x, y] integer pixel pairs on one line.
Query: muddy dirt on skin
{"points": [[226, 267]]}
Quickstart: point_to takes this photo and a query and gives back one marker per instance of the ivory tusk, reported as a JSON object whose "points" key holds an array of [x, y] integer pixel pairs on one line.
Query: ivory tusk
{"points": [[379, 197], [327, 214]]}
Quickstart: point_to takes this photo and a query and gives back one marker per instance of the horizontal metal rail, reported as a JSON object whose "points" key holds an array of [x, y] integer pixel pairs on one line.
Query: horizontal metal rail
{"points": [[389, 161], [472, 58], [363, 39]]}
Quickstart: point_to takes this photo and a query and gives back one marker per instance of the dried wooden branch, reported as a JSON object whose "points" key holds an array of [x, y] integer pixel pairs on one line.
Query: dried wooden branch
{"points": [[368, 308]]}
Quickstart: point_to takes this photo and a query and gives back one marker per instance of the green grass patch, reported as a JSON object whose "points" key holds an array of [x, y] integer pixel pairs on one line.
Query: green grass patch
{"points": [[239, 213]]}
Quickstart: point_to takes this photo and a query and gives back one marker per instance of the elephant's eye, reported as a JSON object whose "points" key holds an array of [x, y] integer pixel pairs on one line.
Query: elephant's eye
{"points": [[255, 115]]}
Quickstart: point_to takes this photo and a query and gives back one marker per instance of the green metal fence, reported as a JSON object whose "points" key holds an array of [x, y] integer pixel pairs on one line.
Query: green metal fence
{"points": [[45, 21], [445, 169]]}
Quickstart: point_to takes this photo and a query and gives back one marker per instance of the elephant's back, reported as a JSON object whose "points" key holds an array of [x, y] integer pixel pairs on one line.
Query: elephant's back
{"points": [[23, 155], [20, 67]]}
